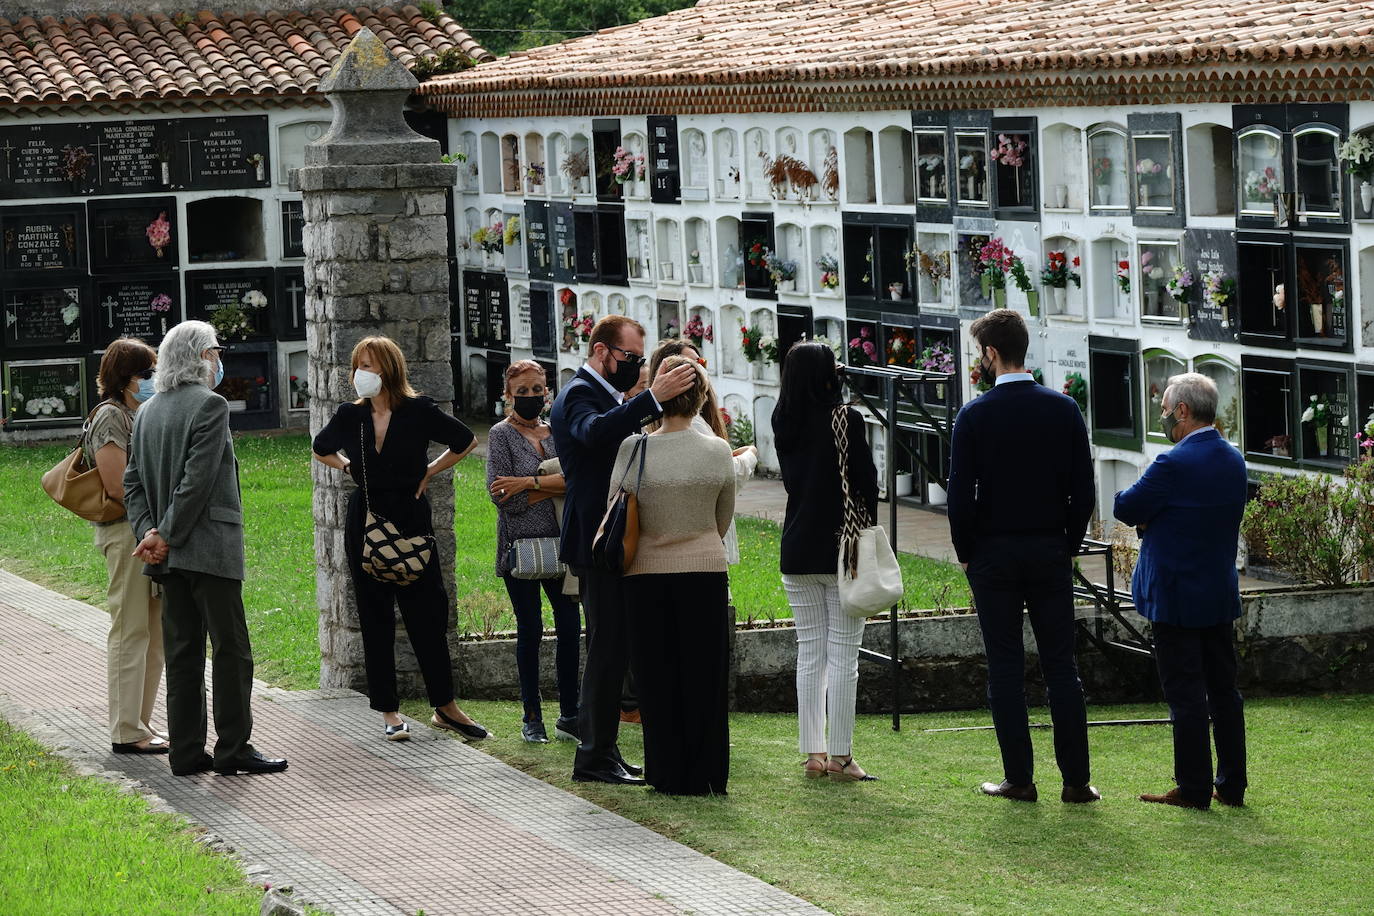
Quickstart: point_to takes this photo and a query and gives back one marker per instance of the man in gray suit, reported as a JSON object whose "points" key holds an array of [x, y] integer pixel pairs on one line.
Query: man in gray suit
{"points": [[182, 494]]}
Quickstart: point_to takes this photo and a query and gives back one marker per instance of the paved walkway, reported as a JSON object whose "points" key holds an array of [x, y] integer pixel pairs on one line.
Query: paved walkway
{"points": [[361, 826]]}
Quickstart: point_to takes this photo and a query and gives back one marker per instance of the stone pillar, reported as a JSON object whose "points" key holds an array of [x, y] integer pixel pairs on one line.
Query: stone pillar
{"points": [[376, 247]]}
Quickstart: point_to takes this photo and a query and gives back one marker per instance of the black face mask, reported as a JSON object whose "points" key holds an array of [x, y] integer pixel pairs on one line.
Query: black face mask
{"points": [[987, 371], [528, 407], [625, 375]]}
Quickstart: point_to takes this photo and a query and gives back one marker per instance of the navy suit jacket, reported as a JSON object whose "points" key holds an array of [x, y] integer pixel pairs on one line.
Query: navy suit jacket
{"points": [[588, 427], [1019, 465], [1191, 499]]}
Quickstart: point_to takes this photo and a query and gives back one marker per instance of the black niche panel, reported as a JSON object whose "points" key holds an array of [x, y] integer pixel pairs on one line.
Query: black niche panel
{"points": [[237, 302], [538, 256], [218, 153], [45, 392], [46, 317], [132, 157], [146, 307], [543, 321], [486, 310], [290, 303], [46, 160], [133, 235], [1213, 300], [38, 239], [292, 229], [665, 174], [563, 247]]}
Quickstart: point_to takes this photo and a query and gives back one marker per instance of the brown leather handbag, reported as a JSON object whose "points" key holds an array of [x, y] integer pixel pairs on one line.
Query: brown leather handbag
{"points": [[617, 537], [78, 488]]}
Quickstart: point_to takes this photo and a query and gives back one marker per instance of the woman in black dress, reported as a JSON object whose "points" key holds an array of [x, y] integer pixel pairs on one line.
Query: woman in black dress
{"points": [[394, 426]]}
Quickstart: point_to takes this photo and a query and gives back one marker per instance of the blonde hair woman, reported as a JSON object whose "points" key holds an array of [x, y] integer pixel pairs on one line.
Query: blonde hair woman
{"points": [[679, 628], [389, 428]]}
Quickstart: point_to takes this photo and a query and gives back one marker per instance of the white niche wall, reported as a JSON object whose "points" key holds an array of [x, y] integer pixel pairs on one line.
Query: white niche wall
{"points": [[732, 361], [790, 240], [1061, 158], [726, 147], [767, 322], [825, 240], [728, 255], [699, 252], [668, 247], [756, 147], [696, 165]]}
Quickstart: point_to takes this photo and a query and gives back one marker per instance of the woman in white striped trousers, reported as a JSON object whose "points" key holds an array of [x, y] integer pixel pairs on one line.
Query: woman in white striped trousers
{"points": [[827, 638]]}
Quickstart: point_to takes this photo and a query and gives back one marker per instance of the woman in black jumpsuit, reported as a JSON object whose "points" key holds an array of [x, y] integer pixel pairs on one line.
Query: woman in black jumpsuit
{"points": [[390, 428]]}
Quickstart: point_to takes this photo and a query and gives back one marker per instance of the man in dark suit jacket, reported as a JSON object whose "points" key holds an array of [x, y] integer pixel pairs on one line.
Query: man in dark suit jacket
{"points": [[1020, 497], [589, 421], [1188, 508]]}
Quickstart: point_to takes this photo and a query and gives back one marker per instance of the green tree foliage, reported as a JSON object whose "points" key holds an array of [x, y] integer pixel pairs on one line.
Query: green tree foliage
{"points": [[519, 24]]}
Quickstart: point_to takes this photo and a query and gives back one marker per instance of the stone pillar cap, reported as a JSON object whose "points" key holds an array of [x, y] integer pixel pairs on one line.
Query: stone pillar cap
{"points": [[367, 65]]}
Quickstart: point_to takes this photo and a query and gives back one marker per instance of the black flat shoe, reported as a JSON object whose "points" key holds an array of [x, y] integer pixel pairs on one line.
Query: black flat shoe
{"points": [[154, 745], [203, 765], [399, 732], [254, 763], [473, 732], [533, 732]]}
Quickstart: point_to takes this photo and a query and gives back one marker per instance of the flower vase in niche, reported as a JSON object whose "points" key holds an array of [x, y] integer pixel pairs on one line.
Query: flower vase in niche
{"points": [[259, 166], [632, 266], [1104, 195], [1367, 197], [665, 270], [1060, 193], [1033, 303], [1058, 297], [896, 290], [1317, 315], [162, 304], [165, 168]]}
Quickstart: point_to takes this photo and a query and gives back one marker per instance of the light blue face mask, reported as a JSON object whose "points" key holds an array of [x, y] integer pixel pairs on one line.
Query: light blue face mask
{"points": [[219, 371], [145, 390]]}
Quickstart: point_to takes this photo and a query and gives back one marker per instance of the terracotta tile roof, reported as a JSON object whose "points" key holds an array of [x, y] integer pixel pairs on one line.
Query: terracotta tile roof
{"points": [[781, 55], [111, 58]]}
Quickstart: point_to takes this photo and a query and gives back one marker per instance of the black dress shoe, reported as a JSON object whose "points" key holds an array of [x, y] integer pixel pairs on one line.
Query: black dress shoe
{"points": [[154, 745], [203, 765], [565, 729], [1005, 789], [253, 763], [1077, 795], [632, 769], [613, 774]]}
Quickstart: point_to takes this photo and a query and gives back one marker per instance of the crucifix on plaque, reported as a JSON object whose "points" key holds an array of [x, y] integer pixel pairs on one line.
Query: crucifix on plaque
{"points": [[109, 306], [105, 229], [190, 172], [292, 288], [9, 150], [99, 159], [12, 313]]}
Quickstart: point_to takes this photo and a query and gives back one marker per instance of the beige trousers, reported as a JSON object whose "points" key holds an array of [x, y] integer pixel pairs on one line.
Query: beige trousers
{"points": [[134, 648]]}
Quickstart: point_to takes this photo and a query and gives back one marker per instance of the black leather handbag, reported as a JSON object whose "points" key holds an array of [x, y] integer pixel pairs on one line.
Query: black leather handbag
{"points": [[617, 538]]}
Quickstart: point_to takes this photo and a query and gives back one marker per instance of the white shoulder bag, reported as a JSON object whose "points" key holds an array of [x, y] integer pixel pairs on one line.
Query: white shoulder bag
{"points": [[869, 578]]}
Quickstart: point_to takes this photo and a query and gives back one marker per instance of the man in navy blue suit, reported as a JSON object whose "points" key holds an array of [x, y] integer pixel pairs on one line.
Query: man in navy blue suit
{"points": [[590, 419], [1020, 497], [1188, 508]]}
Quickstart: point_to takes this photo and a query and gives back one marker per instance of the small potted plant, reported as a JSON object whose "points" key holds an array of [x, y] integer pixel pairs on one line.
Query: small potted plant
{"points": [[628, 167], [1102, 180], [1180, 286], [1059, 272], [694, 267], [160, 305], [937, 358], [534, 177], [997, 261], [1123, 276], [1147, 172], [862, 350], [299, 393], [782, 272], [896, 290], [830, 271], [1010, 151], [159, 233], [574, 166], [1358, 155], [1319, 415], [698, 331]]}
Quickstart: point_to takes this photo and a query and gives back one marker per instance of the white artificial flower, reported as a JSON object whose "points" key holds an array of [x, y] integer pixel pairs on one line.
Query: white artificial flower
{"points": [[71, 314]]}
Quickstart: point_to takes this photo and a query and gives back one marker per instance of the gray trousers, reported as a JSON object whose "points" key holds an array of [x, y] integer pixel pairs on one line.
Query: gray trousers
{"points": [[195, 605]]}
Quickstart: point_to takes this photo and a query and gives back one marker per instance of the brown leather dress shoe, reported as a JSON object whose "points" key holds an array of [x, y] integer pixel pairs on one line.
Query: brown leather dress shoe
{"points": [[1175, 797], [1005, 789], [1077, 795], [1228, 802]]}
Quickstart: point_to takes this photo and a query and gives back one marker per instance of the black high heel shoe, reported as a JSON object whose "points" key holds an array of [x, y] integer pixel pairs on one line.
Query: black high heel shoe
{"points": [[473, 732]]}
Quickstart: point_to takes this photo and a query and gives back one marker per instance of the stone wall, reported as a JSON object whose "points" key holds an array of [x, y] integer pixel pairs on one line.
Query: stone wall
{"points": [[1289, 641]]}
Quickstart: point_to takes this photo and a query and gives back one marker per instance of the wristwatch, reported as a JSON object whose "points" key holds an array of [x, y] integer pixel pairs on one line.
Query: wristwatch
{"points": [[536, 482]]}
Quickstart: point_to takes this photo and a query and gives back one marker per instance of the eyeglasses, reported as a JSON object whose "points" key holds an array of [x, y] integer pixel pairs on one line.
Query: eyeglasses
{"points": [[632, 358], [145, 374]]}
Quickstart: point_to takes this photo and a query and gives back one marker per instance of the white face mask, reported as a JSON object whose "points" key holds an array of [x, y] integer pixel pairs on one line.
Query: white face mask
{"points": [[367, 384]]}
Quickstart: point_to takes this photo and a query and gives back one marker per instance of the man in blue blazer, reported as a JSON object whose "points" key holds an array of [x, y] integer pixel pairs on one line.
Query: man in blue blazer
{"points": [[590, 419], [1188, 508], [1020, 497]]}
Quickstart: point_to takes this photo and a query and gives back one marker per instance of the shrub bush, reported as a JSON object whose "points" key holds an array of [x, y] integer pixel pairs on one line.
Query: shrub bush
{"points": [[1316, 528]]}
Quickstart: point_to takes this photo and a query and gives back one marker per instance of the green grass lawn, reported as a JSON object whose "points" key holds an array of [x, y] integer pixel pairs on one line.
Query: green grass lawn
{"points": [[45, 543], [921, 840], [76, 845]]}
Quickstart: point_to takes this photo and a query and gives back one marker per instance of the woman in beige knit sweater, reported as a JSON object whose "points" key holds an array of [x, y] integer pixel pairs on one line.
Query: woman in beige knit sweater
{"points": [[677, 585]]}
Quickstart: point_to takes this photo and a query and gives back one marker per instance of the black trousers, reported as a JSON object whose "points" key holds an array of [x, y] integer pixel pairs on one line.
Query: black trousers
{"points": [[425, 609], [1007, 574], [679, 650], [1197, 669], [195, 605], [529, 634], [598, 714]]}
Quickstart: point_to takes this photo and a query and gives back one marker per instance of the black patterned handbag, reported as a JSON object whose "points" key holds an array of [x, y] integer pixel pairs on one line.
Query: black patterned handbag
{"points": [[535, 558], [389, 556]]}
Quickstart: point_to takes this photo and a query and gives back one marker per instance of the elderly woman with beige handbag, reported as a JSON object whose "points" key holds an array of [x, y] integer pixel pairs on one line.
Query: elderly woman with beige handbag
{"points": [[134, 647], [527, 531]]}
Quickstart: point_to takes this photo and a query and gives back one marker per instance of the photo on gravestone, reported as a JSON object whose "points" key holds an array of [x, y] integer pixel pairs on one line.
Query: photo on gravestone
{"points": [[46, 160], [44, 318], [132, 157], [138, 234], [1208, 284], [221, 153], [43, 238], [290, 303], [292, 229], [41, 392], [236, 302], [145, 307]]}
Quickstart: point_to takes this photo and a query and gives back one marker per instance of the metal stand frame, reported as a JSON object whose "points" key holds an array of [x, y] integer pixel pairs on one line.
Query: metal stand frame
{"points": [[900, 384]]}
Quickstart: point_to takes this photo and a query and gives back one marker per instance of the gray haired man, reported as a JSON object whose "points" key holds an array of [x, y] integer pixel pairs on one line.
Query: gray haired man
{"points": [[182, 494]]}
